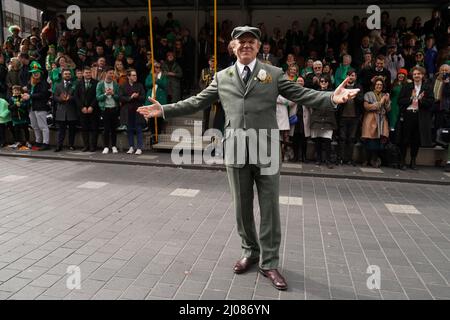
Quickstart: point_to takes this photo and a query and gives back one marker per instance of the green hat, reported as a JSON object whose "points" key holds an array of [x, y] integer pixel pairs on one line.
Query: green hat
{"points": [[239, 31], [13, 27], [35, 67]]}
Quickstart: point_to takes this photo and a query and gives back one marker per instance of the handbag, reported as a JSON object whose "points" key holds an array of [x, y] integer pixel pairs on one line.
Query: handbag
{"points": [[293, 119], [443, 136]]}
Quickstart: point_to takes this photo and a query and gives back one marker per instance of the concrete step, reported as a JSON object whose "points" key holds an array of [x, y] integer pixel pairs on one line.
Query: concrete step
{"points": [[426, 157], [182, 121], [164, 137], [169, 145], [170, 129], [197, 115]]}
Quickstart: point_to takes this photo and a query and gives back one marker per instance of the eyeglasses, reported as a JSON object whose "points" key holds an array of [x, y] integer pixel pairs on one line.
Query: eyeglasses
{"points": [[323, 81]]}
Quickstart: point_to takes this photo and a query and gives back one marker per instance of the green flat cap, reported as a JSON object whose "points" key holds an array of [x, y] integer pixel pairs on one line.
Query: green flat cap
{"points": [[239, 31]]}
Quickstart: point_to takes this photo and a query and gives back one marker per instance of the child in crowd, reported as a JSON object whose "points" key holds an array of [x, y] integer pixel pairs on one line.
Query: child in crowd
{"points": [[19, 117], [51, 57]]}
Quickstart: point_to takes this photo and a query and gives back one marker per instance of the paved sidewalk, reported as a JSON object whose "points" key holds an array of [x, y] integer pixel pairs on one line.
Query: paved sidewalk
{"points": [[426, 175], [140, 232]]}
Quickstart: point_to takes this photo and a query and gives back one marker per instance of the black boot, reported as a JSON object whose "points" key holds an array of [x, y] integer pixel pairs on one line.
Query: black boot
{"points": [[85, 136], [402, 164], [413, 164], [303, 154], [447, 167]]}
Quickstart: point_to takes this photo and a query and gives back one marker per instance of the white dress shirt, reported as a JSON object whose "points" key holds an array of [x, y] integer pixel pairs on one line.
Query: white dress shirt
{"points": [[241, 66]]}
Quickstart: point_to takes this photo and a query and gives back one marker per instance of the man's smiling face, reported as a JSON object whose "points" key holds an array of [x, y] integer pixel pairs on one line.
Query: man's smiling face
{"points": [[246, 48]]}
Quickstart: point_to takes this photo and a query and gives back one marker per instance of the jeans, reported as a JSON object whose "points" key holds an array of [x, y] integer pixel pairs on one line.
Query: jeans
{"points": [[134, 126], [347, 137], [110, 123]]}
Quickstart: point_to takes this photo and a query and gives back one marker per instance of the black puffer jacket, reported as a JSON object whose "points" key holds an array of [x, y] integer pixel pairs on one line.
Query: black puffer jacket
{"points": [[39, 96], [323, 118]]}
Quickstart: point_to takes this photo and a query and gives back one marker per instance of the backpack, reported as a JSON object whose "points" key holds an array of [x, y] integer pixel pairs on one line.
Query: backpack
{"points": [[392, 155]]}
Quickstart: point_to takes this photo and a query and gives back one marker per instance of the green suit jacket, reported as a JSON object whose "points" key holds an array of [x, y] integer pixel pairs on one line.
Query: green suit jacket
{"points": [[249, 107]]}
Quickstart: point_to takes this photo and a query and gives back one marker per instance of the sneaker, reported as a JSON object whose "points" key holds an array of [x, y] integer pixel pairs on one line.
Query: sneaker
{"points": [[114, 150], [29, 145], [130, 151], [105, 151], [138, 152], [14, 145]]}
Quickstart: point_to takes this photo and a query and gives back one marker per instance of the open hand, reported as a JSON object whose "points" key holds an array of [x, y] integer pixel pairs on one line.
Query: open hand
{"points": [[153, 110], [342, 95]]}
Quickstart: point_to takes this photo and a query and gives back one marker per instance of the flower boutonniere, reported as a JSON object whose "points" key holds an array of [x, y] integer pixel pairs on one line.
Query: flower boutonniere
{"points": [[263, 76], [230, 73]]}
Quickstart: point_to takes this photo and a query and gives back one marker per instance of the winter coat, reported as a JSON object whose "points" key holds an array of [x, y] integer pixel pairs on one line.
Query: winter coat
{"points": [[425, 110]]}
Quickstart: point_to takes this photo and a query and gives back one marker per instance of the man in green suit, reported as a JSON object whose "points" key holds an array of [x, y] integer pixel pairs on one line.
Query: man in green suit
{"points": [[248, 92]]}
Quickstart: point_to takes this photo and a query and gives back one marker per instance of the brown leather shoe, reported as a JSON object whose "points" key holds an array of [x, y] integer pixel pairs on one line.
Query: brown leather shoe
{"points": [[244, 264], [277, 279]]}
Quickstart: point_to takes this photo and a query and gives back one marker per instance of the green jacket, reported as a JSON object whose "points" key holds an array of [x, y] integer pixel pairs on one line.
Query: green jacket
{"points": [[161, 91], [19, 110], [101, 96], [394, 113], [5, 114], [174, 86], [250, 107], [341, 74]]}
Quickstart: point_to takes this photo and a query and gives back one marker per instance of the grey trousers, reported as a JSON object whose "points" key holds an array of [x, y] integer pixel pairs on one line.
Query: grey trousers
{"points": [[39, 124], [241, 183]]}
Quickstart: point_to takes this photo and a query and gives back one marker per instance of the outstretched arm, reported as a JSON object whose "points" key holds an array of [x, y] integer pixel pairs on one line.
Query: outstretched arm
{"points": [[313, 98], [188, 106]]}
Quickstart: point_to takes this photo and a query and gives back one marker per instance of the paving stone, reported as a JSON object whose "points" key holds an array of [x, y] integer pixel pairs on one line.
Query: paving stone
{"points": [[118, 283], [135, 293], [133, 240], [193, 287], [28, 293], [164, 290], [45, 280], [213, 295], [106, 294]]}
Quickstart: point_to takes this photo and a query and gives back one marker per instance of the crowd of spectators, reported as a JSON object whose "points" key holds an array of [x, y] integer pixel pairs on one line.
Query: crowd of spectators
{"points": [[90, 80], [403, 75]]}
